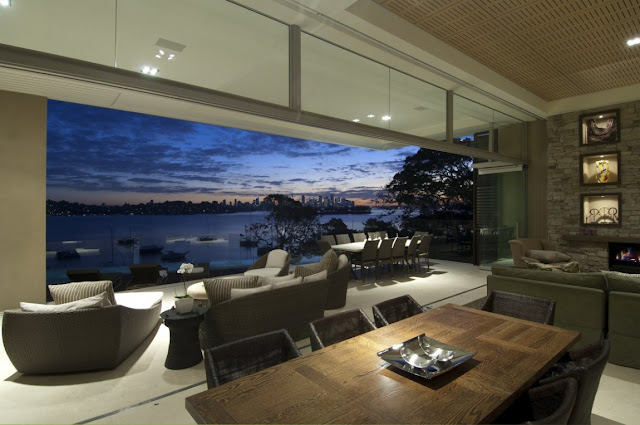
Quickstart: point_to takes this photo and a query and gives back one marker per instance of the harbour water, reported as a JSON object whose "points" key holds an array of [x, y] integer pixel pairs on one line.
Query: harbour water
{"points": [[77, 242]]}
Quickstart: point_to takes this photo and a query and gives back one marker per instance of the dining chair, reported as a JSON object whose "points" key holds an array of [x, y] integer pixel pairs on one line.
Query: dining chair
{"points": [[343, 239], [395, 309], [227, 362], [373, 235], [551, 403], [367, 258], [520, 306], [359, 237], [423, 249], [338, 327], [329, 238], [398, 252], [383, 234], [385, 255], [412, 251], [586, 365]]}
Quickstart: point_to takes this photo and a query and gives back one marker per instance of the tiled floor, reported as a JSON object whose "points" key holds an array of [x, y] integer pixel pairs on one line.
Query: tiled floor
{"points": [[142, 390]]}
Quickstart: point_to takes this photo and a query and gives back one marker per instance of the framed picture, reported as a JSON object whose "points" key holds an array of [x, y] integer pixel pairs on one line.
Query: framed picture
{"points": [[600, 127], [602, 209], [600, 168]]}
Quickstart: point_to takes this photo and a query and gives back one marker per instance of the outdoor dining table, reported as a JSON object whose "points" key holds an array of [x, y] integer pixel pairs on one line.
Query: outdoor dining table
{"points": [[356, 247], [348, 383]]}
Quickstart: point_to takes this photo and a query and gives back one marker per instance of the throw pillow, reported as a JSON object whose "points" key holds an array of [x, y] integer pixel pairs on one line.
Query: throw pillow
{"points": [[219, 289], [240, 292], [316, 277], [286, 283], [548, 257], [267, 280], [308, 269], [95, 301], [330, 260], [78, 290]]}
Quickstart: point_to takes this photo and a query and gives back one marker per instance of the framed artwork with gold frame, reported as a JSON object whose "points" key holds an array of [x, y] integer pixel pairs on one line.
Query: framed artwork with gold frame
{"points": [[601, 168], [600, 127]]}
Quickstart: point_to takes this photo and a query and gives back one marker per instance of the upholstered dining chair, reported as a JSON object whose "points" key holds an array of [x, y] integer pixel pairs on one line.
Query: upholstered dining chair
{"points": [[359, 237], [520, 306], [367, 258], [586, 365], [329, 238], [385, 255], [395, 309], [398, 252], [412, 251], [243, 357], [373, 235], [338, 327], [423, 249], [343, 239]]}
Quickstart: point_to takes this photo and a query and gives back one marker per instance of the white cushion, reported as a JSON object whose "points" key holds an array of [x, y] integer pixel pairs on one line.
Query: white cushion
{"points": [[197, 291], [139, 300], [276, 259], [96, 301], [290, 282], [315, 277], [240, 292], [342, 260], [267, 271]]}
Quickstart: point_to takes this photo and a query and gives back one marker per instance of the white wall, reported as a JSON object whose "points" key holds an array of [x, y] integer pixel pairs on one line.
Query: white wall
{"points": [[23, 154]]}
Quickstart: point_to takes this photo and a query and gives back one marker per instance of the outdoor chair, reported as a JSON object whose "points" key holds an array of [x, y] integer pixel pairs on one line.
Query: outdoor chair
{"points": [[367, 258], [423, 249], [359, 237], [586, 365], [412, 251], [520, 306], [382, 235], [338, 327], [147, 274], [323, 246], [373, 235], [398, 252], [343, 239], [395, 309], [551, 403], [273, 263], [243, 357], [329, 238], [385, 254]]}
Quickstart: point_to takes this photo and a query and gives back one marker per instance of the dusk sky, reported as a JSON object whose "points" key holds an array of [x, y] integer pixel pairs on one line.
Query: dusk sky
{"points": [[97, 155]]}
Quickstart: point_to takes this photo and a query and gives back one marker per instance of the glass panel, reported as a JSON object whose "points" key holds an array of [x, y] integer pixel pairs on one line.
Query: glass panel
{"points": [[341, 84], [77, 29], [212, 44], [417, 107], [500, 215]]}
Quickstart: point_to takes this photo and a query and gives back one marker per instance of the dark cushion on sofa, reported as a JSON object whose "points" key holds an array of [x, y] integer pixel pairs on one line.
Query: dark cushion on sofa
{"points": [[594, 280]]}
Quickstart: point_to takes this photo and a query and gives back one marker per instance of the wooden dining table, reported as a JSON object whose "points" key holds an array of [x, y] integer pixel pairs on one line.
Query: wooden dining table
{"points": [[348, 383]]}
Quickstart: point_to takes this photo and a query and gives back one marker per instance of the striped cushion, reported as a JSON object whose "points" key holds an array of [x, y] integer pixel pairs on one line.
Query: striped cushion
{"points": [[330, 260], [219, 289], [308, 269], [78, 290]]}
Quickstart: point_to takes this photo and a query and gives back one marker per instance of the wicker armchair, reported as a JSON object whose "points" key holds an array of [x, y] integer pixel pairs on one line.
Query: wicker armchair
{"points": [[273, 263], [243, 357], [338, 284], [586, 365], [521, 306], [395, 309], [338, 327]]}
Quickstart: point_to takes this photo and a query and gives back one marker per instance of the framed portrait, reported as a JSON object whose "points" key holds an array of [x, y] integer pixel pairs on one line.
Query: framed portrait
{"points": [[601, 209], [600, 127], [600, 168]]}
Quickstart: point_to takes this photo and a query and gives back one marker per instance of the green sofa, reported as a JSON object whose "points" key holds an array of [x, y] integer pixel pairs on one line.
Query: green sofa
{"points": [[598, 305]]}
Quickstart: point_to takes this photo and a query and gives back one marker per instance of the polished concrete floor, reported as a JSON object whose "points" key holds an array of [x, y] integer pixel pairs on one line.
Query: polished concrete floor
{"points": [[142, 391]]}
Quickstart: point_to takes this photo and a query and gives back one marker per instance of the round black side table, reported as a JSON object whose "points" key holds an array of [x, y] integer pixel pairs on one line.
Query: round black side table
{"points": [[184, 345]]}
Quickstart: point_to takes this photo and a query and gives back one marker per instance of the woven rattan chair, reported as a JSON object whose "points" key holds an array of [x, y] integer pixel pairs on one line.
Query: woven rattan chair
{"points": [[412, 251], [586, 365], [359, 237], [343, 239], [521, 306], [547, 404], [395, 309], [423, 249], [398, 252], [385, 255], [338, 327], [243, 357], [367, 258]]}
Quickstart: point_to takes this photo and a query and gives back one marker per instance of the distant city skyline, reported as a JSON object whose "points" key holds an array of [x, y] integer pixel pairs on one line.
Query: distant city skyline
{"points": [[99, 155]]}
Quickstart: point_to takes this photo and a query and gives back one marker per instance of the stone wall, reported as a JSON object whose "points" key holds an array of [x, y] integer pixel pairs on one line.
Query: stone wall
{"points": [[564, 188]]}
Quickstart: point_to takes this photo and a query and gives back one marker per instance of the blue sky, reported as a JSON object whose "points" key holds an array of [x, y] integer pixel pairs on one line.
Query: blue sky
{"points": [[97, 155]]}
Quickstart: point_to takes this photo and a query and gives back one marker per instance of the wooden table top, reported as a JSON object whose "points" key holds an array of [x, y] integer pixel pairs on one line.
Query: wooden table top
{"points": [[348, 383]]}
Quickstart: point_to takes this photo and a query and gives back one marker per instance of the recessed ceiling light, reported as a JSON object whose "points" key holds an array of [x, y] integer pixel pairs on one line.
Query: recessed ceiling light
{"points": [[370, 116], [159, 57], [356, 120], [633, 41], [601, 116], [386, 117], [149, 70], [5, 3]]}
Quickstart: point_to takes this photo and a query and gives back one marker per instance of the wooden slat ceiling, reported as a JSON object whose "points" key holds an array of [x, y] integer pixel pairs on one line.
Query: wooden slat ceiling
{"points": [[553, 48]]}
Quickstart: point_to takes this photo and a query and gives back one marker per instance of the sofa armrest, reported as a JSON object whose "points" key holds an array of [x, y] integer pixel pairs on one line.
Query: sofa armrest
{"points": [[518, 250]]}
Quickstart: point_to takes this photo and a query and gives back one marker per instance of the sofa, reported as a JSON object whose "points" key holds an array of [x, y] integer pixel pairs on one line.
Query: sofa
{"points": [[338, 274], [80, 340], [540, 253], [597, 304]]}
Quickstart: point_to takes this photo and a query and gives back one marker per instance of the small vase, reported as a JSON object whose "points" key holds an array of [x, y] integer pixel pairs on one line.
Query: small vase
{"points": [[184, 305]]}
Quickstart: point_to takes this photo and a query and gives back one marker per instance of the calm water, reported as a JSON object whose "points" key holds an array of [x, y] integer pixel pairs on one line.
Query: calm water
{"points": [[95, 239]]}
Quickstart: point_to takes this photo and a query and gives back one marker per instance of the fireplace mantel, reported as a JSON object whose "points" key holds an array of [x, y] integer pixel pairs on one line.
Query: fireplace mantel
{"points": [[601, 239]]}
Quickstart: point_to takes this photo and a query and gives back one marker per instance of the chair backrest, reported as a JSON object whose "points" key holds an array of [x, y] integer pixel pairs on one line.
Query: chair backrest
{"points": [[395, 309], [338, 327], [384, 250], [359, 237], [370, 251], [323, 246], [243, 357], [374, 235], [586, 365], [329, 238], [399, 245], [82, 275], [277, 258], [521, 306], [552, 403], [343, 238], [383, 234], [425, 243], [412, 249], [144, 273]]}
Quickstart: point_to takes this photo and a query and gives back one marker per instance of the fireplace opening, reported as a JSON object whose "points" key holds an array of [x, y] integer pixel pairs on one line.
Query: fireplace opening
{"points": [[624, 257]]}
